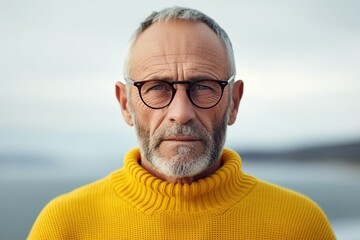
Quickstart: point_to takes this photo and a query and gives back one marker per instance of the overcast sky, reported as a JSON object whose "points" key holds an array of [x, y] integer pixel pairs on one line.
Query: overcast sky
{"points": [[299, 60]]}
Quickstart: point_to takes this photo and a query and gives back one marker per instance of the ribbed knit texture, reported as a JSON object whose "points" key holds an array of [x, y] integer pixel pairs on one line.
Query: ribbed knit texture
{"points": [[132, 204]]}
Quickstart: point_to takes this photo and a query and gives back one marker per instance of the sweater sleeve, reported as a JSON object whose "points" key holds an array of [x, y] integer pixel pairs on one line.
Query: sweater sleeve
{"points": [[314, 223], [51, 223]]}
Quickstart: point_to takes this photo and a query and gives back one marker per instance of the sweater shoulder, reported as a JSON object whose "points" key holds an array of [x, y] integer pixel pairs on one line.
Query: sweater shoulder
{"points": [[279, 193], [275, 195], [90, 190], [288, 209], [77, 196]]}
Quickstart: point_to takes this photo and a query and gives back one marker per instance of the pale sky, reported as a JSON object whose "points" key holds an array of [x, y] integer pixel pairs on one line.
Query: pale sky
{"points": [[59, 62]]}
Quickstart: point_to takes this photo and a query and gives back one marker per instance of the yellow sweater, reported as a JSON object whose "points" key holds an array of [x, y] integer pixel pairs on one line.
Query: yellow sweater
{"points": [[130, 203]]}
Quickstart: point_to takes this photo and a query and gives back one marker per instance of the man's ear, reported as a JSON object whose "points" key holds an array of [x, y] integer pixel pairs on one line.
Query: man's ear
{"points": [[120, 91], [237, 93]]}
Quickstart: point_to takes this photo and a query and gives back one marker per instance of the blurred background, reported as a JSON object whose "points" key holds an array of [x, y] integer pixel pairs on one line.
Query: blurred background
{"points": [[61, 127]]}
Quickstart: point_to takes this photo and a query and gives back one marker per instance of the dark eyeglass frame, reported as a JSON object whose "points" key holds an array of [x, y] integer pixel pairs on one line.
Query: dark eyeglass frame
{"points": [[222, 84]]}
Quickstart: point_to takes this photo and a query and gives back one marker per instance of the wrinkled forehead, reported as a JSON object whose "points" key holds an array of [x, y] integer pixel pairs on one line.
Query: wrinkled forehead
{"points": [[189, 43]]}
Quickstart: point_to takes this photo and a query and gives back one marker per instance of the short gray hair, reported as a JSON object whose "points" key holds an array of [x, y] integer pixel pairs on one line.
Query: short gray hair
{"points": [[181, 13]]}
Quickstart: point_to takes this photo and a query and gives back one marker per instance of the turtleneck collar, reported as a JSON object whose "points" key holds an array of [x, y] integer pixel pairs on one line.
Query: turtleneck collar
{"points": [[149, 194]]}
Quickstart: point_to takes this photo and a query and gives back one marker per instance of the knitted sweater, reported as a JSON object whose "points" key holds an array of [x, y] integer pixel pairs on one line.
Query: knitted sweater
{"points": [[130, 203]]}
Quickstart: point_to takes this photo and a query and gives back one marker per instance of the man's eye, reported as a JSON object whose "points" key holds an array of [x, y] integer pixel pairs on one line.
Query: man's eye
{"points": [[199, 87], [157, 87]]}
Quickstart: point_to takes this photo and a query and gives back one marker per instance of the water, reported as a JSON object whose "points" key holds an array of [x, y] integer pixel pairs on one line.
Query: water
{"points": [[334, 186], [22, 199]]}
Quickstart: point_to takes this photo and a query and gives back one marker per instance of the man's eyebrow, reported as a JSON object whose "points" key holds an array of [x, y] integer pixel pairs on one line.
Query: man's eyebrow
{"points": [[197, 78], [158, 77]]}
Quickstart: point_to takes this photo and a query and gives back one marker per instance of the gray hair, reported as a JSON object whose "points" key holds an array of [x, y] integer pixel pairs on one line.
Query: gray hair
{"points": [[180, 13]]}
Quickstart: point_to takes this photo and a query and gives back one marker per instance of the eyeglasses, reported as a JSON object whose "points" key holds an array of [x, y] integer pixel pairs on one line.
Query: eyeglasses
{"points": [[157, 94]]}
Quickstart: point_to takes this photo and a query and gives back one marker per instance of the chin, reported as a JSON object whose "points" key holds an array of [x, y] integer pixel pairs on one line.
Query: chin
{"points": [[183, 164]]}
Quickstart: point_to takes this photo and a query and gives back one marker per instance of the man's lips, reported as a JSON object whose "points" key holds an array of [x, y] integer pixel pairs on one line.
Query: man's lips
{"points": [[172, 141], [181, 139]]}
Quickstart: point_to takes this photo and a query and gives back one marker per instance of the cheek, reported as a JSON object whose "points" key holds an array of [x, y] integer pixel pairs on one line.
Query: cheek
{"points": [[208, 118], [211, 118], [147, 118]]}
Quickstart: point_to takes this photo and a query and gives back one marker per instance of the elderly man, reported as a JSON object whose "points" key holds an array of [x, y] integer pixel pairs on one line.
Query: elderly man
{"points": [[180, 95]]}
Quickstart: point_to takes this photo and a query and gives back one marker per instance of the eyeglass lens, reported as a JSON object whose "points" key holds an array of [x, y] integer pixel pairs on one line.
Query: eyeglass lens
{"points": [[158, 94]]}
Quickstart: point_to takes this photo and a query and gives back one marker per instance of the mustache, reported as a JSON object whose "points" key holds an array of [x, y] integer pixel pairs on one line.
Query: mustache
{"points": [[179, 130]]}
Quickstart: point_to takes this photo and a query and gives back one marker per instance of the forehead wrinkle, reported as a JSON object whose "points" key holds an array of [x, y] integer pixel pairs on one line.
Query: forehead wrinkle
{"points": [[211, 52], [139, 68], [186, 69], [165, 57], [169, 65]]}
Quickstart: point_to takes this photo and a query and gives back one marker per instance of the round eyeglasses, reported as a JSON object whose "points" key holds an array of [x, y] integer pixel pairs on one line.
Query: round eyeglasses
{"points": [[157, 94]]}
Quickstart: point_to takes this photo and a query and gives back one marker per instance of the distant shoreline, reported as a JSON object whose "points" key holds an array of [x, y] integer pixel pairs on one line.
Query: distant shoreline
{"points": [[346, 151]]}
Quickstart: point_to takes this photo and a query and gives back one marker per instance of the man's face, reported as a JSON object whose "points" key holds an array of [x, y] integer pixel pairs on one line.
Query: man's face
{"points": [[180, 140]]}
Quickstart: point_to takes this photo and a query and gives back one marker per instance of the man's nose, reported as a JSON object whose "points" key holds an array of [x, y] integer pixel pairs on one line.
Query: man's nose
{"points": [[181, 110]]}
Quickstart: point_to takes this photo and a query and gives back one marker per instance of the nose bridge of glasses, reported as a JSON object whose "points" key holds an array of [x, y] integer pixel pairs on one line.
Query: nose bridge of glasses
{"points": [[176, 84], [181, 89], [180, 85], [187, 85], [183, 86]]}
